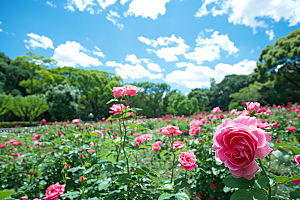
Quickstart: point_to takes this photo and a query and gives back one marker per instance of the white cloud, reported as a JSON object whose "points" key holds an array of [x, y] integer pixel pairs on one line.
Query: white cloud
{"points": [[252, 51], [1, 30], [50, 4], [133, 59], [132, 71], [199, 76], [124, 1], [81, 5], [98, 52], [253, 13], [114, 18], [0, 22], [163, 50], [153, 67], [38, 41], [271, 34], [105, 3], [70, 54], [209, 49], [147, 8]]}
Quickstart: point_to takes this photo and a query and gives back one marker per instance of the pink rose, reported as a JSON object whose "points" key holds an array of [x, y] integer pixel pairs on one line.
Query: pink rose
{"points": [[177, 145], [90, 150], [75, 120], [291, 128], [117, 109], [213, 185], [233, 111], [36, 143], [131, 90], [198, 195], [238, 142], [81, 178], [297, 158], [187, 160], [43, 121], [99, 132], [156, 146], [53, 191], [278, 140], [216, 110], [119, 92], [252, 106], [275, 125], [185, 139]]}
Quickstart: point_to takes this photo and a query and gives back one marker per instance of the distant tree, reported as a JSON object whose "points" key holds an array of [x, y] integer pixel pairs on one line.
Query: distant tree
{"points": [[28, 107], [38, 76], [152, 95], [201, 97], [281, 60], [5, 103], [63, 101]]}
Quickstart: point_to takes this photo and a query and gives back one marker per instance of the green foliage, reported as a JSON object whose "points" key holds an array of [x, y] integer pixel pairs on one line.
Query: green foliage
{"points": [[28, 107], [5, 103], [21, 124], [201, 96], [63, 101]]}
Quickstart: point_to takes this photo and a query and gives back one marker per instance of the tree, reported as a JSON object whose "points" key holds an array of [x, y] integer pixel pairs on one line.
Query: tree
{"points": [[5, 103], [29, 107], [95, 88], [152, 95], [281, 60], [201, 97], [63, 101], [38, 76]]}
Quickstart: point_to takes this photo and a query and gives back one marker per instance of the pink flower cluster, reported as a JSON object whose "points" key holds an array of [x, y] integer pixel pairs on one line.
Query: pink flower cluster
{"points": [[195, 126], [252, 106], [170, 130], [123, 91], [156, 146], [36, 137], [117, 108], [238, 142], [143, 138]]}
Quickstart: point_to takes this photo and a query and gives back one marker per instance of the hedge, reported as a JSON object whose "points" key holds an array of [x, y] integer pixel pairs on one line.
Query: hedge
{"points": [[21, 124]]}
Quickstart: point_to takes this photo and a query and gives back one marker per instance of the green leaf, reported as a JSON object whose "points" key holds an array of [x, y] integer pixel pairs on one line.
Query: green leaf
{"points": [[139, 171], [259, 194], [104, 184], [294, 195], [71, 195], [263, 181], [166, 187], [5, 193], [242, 183], [241, 194], [87, 171], [144, 147], [74, 169], [165, 196], [111, 101], [281, 179], [163, 153], [182, 196], [71, 135]]}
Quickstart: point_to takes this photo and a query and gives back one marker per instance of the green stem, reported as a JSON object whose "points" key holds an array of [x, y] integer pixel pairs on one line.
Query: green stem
{"points": [[124, 143], [173, 159], [269, 186]]}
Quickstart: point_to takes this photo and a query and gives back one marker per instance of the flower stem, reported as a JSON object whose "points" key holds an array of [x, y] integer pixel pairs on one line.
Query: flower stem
{"points": [[269, 186], [173, 159]]}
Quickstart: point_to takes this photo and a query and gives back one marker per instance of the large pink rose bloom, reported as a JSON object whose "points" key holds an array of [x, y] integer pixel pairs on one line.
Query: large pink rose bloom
{"points": [[53, 191], [187, 160], [119, 92], [216, 110], [131, 90], [238, 142]]}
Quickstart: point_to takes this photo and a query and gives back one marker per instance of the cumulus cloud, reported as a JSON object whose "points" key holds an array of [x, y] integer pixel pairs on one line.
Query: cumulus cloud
{"points": [[70, 54], [147, 8], [253, 13], [271, 34], [114, 18], [98, 52], [163, 49], [133, 59], [209, 49], [198, 76], [136, 71], [50, 4], [38, 41], [105, 3], [81, 5], [124, 1]]}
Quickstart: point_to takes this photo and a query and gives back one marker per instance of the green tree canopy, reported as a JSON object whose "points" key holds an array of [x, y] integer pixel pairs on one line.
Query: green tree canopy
{"points": [[63, 101], [29, 107]]}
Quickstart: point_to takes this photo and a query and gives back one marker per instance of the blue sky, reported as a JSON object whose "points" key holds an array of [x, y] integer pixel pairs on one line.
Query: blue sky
{"points": [[181, 42]]}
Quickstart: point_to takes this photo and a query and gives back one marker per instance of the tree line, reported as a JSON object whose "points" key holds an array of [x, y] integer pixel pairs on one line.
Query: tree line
{"points": [[29, 91]]}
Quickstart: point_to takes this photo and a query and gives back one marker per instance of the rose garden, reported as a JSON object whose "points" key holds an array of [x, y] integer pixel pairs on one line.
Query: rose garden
{"points": [[239, 154]]}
